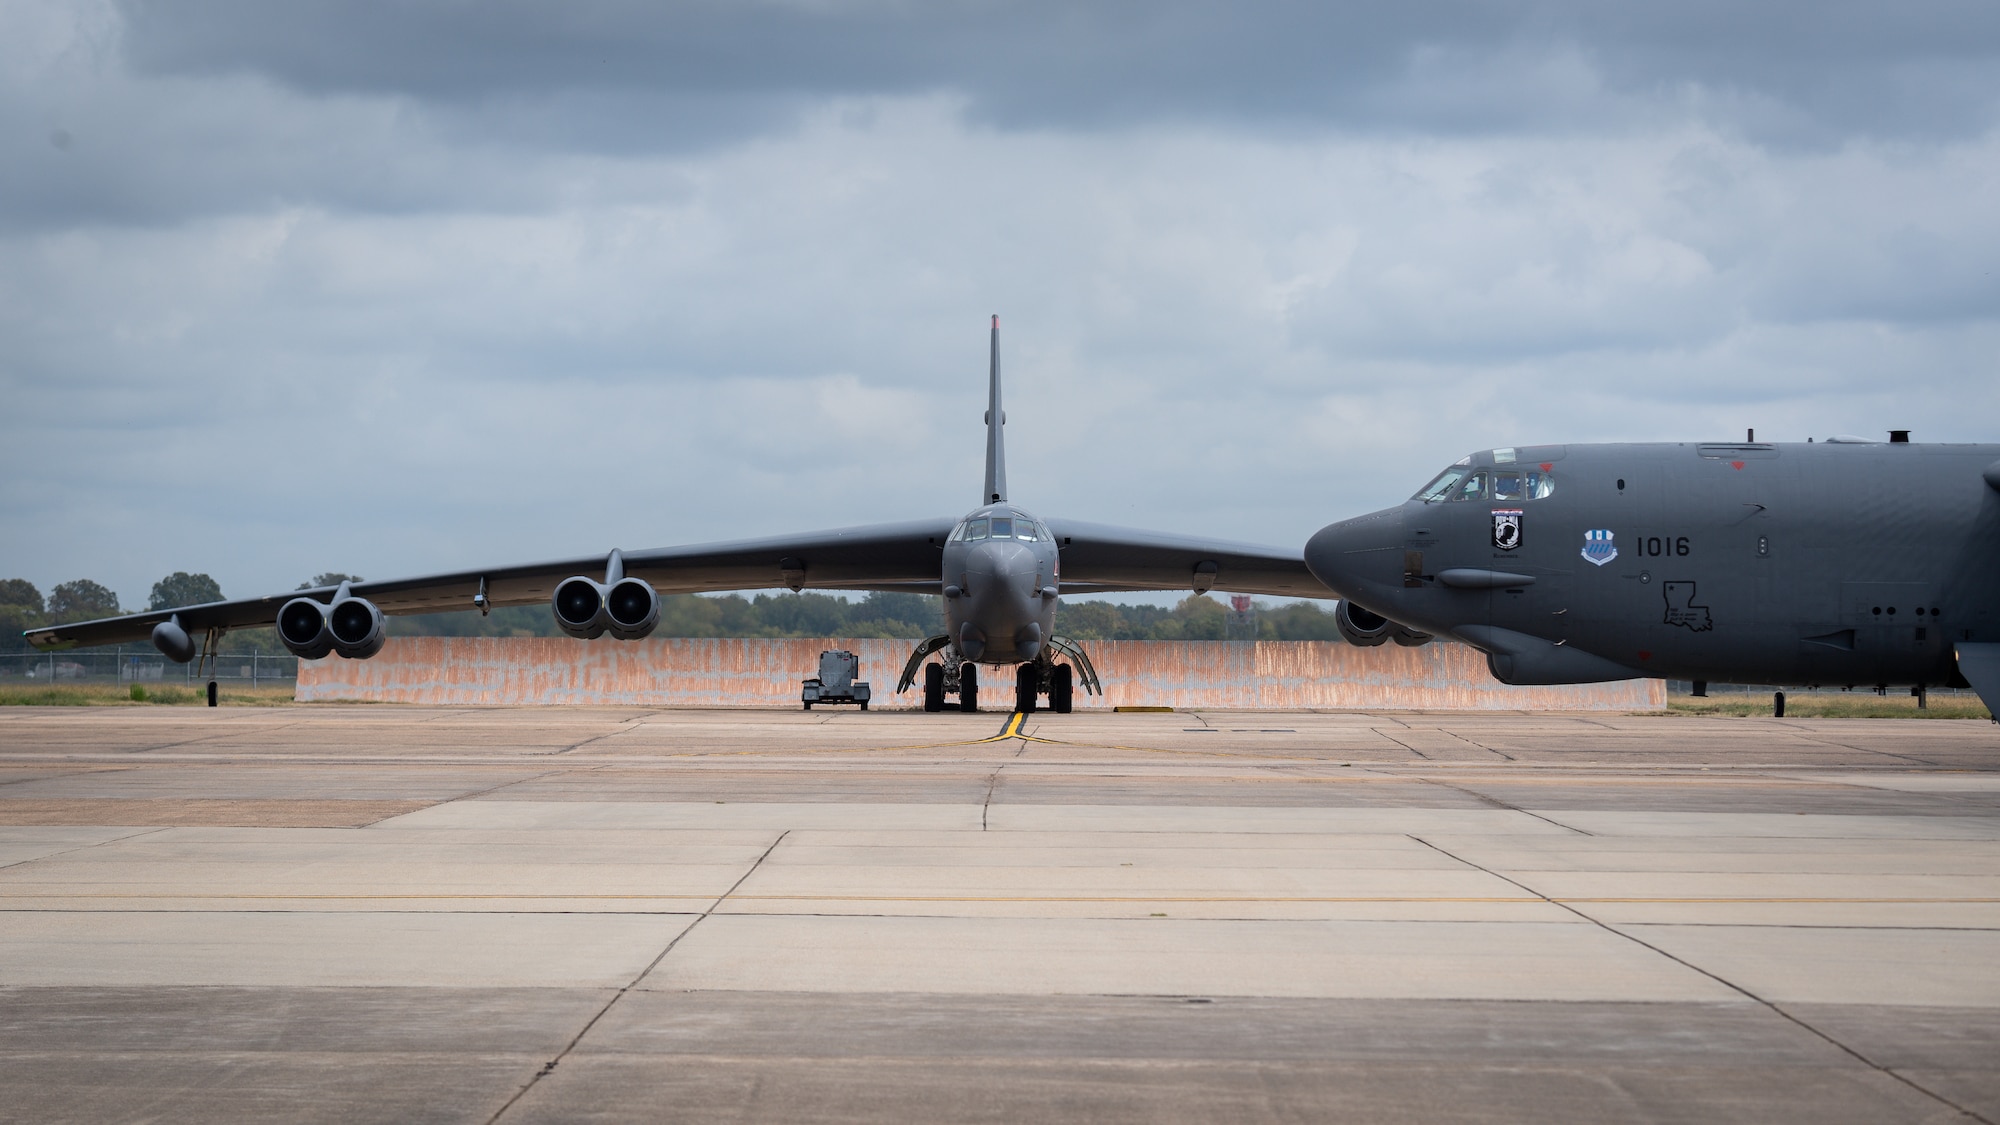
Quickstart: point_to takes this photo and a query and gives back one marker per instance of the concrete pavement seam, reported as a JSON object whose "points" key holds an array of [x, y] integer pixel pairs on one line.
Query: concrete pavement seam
{"points": [[550, 1066], [1406, 746], [1498, 803], [1726, 983], [86, 847]]}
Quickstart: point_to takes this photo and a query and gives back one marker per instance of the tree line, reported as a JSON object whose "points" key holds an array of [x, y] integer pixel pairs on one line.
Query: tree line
{"points": [[912, 616]]}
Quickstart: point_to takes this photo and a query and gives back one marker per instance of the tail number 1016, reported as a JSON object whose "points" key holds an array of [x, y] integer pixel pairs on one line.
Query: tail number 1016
{"points": [[1660, 546]]}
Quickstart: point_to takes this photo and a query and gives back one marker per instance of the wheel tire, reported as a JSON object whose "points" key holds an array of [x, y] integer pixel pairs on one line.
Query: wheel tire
{"points": [[968, 688], [1024, 689], [864, 705], [1062, 689], [809, 706], [933, 687]]}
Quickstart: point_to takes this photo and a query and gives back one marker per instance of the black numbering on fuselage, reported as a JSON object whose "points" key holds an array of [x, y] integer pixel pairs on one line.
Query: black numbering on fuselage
{"points": [[1661, 546]]}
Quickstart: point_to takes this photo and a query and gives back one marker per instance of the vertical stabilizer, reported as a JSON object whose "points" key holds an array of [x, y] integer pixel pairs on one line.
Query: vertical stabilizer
{"points": [[996, 445]]}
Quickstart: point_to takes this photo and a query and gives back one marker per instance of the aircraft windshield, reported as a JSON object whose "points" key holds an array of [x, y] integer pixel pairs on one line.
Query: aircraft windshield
{"points": [[1025, 529], [1003, 528], [975, 529], [1461, 482], [1441, 488]]}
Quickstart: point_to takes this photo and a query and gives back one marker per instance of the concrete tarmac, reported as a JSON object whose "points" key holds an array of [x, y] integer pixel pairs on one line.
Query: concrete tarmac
{"points": [[377, 913]]}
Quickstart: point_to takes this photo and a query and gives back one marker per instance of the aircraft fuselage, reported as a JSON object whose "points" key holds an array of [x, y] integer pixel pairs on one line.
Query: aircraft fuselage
{"points": [[1001, 570], [1836, 563]]}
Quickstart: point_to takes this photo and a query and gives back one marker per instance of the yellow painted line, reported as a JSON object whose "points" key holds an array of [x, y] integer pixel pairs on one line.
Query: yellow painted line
{"points": [[1011, 728]]}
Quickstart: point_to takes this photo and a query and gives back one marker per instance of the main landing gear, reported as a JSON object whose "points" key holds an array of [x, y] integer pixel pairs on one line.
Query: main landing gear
{"points": [[1057, 681], [956, 677]]}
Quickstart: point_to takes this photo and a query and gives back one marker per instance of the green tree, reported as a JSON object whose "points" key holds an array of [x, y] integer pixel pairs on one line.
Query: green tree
{"points": [[181, 588], [1300, 621], [15, 620], [21, 593], [81, 600], [330, 578]]}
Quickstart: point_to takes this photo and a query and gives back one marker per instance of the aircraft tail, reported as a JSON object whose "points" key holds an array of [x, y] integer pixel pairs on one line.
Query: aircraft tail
{"points": [[996, 445]]}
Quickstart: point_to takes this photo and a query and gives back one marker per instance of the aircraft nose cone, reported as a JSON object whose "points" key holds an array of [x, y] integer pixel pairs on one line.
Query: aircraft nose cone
{"points": [[1001, 576], [1352, 555], [1000, 584]]}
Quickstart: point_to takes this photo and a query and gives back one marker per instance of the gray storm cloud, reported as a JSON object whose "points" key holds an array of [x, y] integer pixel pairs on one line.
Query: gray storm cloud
{"points": [[1831, 68], [394, 287]]}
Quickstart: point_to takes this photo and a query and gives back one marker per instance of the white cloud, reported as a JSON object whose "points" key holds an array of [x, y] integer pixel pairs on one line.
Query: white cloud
{"points": [[323, 332]]}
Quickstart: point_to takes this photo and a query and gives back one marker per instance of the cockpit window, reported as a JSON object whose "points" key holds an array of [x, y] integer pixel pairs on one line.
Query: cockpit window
{"points": [[1003, 528], [1025, 529], [1461, 482], [975, 529], [1441, 488]]}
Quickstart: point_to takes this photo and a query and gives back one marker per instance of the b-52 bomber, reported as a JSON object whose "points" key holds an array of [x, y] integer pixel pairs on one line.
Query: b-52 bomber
{"points": [[999, 570], [1846, 562]]}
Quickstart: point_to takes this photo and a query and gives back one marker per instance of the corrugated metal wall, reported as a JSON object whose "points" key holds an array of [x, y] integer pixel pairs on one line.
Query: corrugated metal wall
{"points": [[677, 672]]}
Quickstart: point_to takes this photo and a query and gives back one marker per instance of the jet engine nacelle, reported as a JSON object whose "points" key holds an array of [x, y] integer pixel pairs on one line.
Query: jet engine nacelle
{"points": [[1408, 637], [352, 627], [1359, 626], [586, 609]]}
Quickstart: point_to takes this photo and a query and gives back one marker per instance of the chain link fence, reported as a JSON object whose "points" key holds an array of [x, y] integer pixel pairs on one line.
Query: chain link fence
{"points": [[143, 666]]}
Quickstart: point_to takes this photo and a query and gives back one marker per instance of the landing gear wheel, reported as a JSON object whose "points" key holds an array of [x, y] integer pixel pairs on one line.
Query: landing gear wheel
{"points": [[1025, 683], [968, 688], [933, 687], [1062, 689], [809, 706]]}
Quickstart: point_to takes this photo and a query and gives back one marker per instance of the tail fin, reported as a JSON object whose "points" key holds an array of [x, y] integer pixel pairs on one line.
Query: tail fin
{"points": [[996, 445]]}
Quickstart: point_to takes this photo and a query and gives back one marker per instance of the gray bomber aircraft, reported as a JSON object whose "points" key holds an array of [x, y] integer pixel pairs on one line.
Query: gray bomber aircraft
{"points": [[1846, 562], [998, 568]]}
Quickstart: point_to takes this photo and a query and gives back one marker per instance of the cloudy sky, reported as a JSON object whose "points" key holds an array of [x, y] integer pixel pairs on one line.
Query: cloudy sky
{"points": [[390, 286]]}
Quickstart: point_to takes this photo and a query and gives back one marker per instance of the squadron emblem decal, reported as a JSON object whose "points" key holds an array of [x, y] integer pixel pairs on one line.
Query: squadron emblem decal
{"points": [[1598, 548], [1506, 528]]}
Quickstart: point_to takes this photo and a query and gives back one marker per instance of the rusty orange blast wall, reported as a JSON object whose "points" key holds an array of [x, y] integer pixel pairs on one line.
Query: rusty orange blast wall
{"points": [[681, 672]]}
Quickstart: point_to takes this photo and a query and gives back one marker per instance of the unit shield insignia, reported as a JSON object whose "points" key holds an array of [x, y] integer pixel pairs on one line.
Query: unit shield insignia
{"points": [[1598, 548], [1506, 528]]}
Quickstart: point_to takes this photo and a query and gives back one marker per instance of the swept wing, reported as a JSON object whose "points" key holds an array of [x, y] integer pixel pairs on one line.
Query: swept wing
{"points": [[897, 557], [890, 557]]}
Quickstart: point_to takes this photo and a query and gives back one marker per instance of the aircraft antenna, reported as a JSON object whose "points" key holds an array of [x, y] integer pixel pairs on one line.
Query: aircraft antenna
{"points": [[996, 446]]}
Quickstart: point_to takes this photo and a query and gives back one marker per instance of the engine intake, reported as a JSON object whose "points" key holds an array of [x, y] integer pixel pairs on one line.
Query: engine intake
{"points": [[628, 609], [352, 627], [579, 608], [1359, 626], [1408, 637], [357, 628], [302, 626], [633, 607]]}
